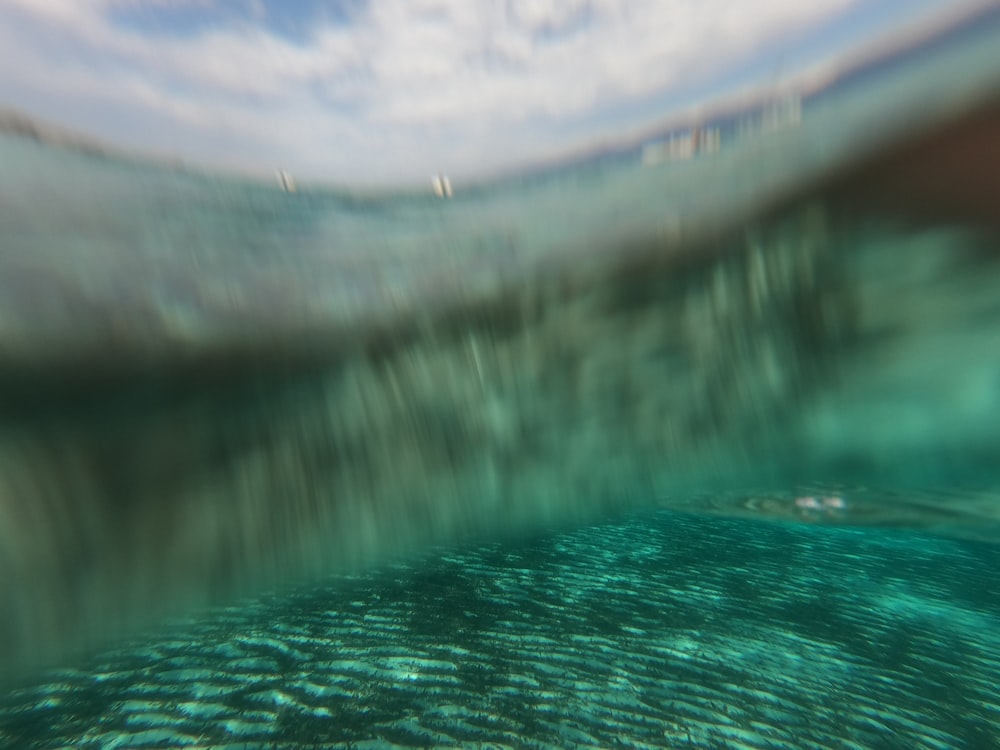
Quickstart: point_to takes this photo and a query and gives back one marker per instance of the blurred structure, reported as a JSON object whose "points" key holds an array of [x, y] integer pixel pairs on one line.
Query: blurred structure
{"points": [[441, 186], [286, 181]]}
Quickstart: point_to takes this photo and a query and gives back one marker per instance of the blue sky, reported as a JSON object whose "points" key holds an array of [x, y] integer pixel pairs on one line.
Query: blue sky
{"points": [[377, 91]]}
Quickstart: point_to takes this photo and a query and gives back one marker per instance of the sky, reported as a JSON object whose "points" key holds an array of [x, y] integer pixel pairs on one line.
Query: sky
{"points": [[394, 91]]}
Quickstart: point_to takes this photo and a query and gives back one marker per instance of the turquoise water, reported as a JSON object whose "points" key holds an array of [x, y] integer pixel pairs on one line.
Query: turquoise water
{"points": [[694, 455], [662, 630]]}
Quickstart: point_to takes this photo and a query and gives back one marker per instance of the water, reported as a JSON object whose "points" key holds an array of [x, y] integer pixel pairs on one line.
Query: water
{"points": [[663, 630], [696, 454]]}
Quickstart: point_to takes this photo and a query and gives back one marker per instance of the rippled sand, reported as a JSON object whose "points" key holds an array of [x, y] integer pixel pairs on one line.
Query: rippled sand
{"points": [[661, 631]]}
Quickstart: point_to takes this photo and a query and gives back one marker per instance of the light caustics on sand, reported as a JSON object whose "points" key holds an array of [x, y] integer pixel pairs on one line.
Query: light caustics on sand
{"points": [[663, 630]]}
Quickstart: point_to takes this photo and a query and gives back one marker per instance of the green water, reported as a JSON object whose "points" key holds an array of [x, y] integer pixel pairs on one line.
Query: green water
{"points": [[697, 455], [661, 631]]}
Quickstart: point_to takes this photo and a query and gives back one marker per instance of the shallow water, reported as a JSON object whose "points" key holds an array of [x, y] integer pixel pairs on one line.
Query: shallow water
{"points": [[211, 389], [663, 630]]}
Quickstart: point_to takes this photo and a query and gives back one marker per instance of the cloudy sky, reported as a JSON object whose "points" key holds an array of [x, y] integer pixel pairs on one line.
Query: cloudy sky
{"points": [[373, 91]]}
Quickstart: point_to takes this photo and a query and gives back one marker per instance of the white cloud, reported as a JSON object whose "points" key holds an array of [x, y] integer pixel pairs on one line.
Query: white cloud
{"points": [[405, 85]]}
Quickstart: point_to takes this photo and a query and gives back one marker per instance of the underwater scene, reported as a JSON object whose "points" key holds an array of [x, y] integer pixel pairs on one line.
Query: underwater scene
{"points": [[690, 443], [660, 630]]}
